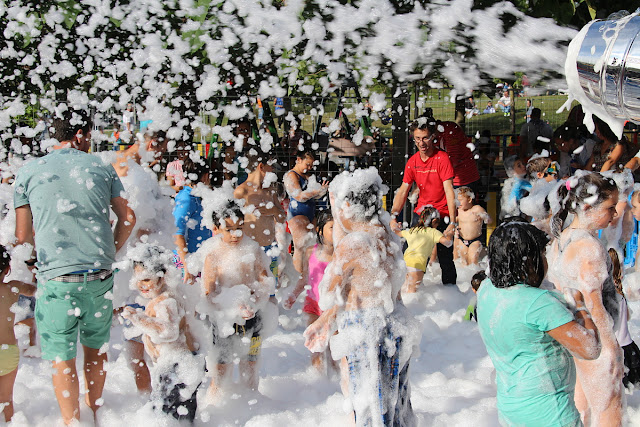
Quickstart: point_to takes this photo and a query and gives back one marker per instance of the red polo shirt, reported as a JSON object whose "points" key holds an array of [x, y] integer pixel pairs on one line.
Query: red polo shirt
{"points": [[429, 177], [454, 141]]}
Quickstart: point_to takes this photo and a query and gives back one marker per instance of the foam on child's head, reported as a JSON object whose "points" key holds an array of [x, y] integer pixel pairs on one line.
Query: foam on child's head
{"points": [[362, 190], [466, 191], [623, 180], [153, 258], [215, 202], [509, 164]]}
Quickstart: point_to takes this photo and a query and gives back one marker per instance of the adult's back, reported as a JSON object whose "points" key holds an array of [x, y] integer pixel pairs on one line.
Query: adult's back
{"points": [[75, 235], [454, 141]]}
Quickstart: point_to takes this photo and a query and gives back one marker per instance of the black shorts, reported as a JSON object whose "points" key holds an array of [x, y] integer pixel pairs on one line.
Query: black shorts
{"points": [[226, 345]]}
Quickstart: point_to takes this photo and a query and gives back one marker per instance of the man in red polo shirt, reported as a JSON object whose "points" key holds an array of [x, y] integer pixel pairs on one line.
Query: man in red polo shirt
{"points": [[431, 170]]}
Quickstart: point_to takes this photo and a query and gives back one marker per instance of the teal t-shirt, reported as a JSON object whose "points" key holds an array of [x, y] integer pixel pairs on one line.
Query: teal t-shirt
{"points": [[69, 193], [535, 374]]}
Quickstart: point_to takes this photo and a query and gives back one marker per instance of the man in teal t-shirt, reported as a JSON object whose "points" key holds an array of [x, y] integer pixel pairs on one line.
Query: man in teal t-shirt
{"points": [[535, 374], [65, 197]]}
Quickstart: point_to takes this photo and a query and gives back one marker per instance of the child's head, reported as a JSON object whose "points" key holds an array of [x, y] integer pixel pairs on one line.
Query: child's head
{"points": [[567, 137], [229, 222], [429, 217], [514, 167], [635, 203], [304, 161], [516, 255], [196, 170], [537, 167], [477, 279], [324, 228], [588, 194], [357, 195], [465, 197], [150, 264]]}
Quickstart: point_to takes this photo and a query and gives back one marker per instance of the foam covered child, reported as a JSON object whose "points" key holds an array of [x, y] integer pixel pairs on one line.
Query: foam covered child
{"points": [[315, 262], [237, 284], [359, 298], [176, 371], [514, 188]]}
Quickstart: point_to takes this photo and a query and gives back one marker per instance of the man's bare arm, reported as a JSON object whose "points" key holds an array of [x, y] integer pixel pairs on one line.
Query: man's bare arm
{"points": [[126, 221], [451, 200]]}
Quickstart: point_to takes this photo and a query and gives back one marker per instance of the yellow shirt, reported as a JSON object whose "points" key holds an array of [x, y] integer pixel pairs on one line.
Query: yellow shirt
{"points": [[420, 245]]}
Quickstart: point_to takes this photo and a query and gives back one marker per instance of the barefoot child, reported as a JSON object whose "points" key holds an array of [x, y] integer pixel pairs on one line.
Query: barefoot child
{"points": [[468, 242], [237, 284], [316, 260], [361, 301], [176, 372], [9, 352], [421, 239]]}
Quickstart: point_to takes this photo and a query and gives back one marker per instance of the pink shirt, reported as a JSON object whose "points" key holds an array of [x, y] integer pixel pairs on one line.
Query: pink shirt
{"points": [[174, 170], [316, 273]]}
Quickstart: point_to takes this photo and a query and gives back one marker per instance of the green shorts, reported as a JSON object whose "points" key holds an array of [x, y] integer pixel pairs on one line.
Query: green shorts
{"points": [[64, 308]]}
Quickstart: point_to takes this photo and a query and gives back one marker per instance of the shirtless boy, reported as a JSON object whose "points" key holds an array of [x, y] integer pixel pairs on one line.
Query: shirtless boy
{"points": [[9, 352], [262, 209], [361, 301], [235, 265], [468, 243]]}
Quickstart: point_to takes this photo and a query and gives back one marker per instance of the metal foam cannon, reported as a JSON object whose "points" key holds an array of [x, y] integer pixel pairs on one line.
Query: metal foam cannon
{"points": [[608, 66]]}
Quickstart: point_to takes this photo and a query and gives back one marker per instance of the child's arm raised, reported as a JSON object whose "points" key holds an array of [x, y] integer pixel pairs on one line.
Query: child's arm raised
{"points": [[209, 274]]}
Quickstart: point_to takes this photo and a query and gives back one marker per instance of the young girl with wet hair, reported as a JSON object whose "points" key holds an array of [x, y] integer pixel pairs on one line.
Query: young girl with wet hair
{"points": [[530, 332], [578, 260], [315, 262], [421, 239], [630, 349]]}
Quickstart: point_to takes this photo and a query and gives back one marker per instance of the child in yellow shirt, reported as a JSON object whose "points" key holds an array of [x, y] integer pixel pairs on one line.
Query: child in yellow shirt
{"points": [[421, 239]]}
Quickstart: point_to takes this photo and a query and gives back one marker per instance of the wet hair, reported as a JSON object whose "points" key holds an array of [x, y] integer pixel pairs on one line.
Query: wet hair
{"points": [[5, 258], [231, 210], [516, 254], [302, 154], [467, 191], [616, 272], [568, 131], [66, 127], [573, 196], [427, 217], [477, 279], [321, 220], [198, 167], [604, 129], [539, 164], [152, 258], [367, 201]]}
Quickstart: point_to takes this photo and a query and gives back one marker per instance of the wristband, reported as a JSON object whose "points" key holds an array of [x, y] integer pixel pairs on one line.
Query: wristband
{"points": [[581, 309], [31, 262]]}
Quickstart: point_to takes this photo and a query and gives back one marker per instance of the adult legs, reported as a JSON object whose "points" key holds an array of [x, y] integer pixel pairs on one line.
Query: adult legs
{"points": [[94, 376], [445, 256], [65, 386]]}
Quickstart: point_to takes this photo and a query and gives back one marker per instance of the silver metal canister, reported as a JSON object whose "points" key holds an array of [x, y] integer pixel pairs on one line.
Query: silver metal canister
{"points": [[608, 65]]}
